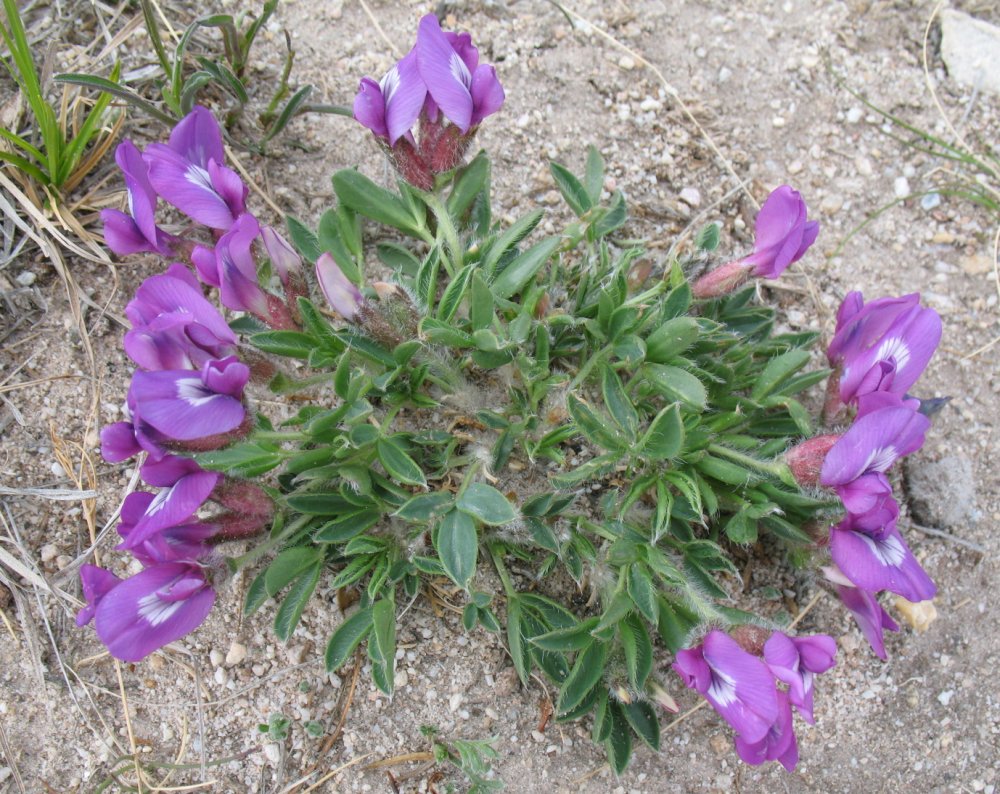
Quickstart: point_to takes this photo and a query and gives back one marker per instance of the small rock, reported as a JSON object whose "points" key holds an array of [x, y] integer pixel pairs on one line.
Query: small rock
{"points": [[5, 772], [945, 697], [830, 205], [942, 493], [538, 736], [216, 657], [455, 701], [272, 752], [402, 679], [650, 104], [626, 62], [237, 653], [778, 121], [901, 187], [724, 74], [943, 237], [976, 265], [919, 615], [690, 196], [57, 469], [26, 278], [854, 115], [969, 48], [720, 745], [221, 676], [48, 552], [930, 201], [795, 167]]}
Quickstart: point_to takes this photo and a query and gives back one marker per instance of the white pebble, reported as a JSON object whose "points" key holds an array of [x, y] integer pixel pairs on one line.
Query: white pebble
{"points": [[25, 278], [455, 701], [901, 187], [221, 676], [691, 196], [216, 657], [272, 752], [49, 552], [945, 697], [237, 653], [626, 62], [854, 115]]}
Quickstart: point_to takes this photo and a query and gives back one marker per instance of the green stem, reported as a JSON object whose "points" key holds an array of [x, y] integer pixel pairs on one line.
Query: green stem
{"points": [[770, 468], [592, 362], [278, 435], [236, 563], [508, 586]]}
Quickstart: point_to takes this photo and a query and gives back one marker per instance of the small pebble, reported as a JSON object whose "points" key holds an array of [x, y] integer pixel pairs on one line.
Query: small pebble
{"points": [[49, 552], [691, 196], [216, 657], [237, 653], [901, 187], [930, 201], [455, 701], [626, 62], [854, 115], [272, 752], [26, 278], [945, 697]]}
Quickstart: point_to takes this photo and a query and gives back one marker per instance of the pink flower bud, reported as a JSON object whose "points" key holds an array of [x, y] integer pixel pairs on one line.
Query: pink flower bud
{"points": [[722, 280], [343, 296], [806, 459]]}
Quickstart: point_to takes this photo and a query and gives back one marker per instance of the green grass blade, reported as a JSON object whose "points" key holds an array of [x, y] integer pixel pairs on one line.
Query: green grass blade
{"points": [[117, 90], [24, 165], [21, 143]]}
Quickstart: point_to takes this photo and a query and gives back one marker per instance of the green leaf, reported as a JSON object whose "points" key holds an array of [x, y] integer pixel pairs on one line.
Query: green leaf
{"points": [[593, 179], [619, 404], [741, 528], [516, 232], [354, 570], [249, 459], [383, 645], [707, 238], [523, 268], [674, 624], [487, 504], [642, 592], [303, 238], [595, 427], [292, 344], [671, 339], [619, 741], [298, 596], [330, 237], [347, 526], [320, 504], [458, 546], [642, 717], [480, 303], [621, 605], [288, 112], [397, 463], [665, 435], [347, 637], [358, 192], [777, 372], [675, 383], [571, 638], [572, 190], [519, 651], [256, 594], [584, 676], [472, 180], [585, 471], [638, 650], [726, 471], [288, 565], [455, 292], [423, 507], [613, 219]]}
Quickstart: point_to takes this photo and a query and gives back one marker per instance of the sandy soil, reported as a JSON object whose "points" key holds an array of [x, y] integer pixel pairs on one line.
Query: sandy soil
{"points": [[755, 75]]}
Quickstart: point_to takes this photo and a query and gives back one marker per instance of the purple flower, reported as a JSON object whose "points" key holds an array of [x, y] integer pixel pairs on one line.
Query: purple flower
{"points": [[782, 233], [189, 172], [872, 444], [390, 107], [439, 83], [184, 405], [464, 90], [877, 559], [342, 295], [778, 744], [884, 345], [871, 618], [796, 661], [96, 583], [175, 327], [136, 231], [737, 684], [284, 260], [153, 608], [145, 514], [118, 442]]}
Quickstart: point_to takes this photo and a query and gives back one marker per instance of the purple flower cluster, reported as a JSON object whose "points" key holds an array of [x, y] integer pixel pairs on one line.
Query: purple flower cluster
{"points": [[782, 235], [743, 688], [440, 84], [186, 395], [189, 173], [878, 352]]}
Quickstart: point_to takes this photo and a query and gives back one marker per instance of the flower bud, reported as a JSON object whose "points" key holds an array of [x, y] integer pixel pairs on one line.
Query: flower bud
{"points": [[806, 459], [343, 296], [722, 280], [751, 638]]}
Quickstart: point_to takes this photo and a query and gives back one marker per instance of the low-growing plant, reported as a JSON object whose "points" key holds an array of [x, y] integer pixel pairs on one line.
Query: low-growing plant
{"points": [[472, 757], [180, 85], [528, 417], [53, 151]]}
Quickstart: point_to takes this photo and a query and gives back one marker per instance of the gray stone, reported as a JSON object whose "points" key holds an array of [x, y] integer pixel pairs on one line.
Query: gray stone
{"points": [[942, 493], [970, 49]]}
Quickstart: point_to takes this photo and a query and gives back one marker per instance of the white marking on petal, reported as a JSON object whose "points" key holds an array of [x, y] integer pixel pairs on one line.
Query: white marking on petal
{"points": [[723, 688], [193, 392], [159, 501], [154, 610], [889, 551], [460, 70], [389, 84], [896, 349], [880, 459], [198, 177]]}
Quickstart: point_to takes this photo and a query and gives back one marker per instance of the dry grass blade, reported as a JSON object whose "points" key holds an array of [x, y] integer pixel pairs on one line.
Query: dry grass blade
{"points": [[56, 494], [334, 772], [11, 760]]}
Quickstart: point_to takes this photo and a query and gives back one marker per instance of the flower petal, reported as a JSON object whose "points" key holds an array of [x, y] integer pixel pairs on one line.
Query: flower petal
{"points": [[746, 695], [198, 137], [404, 91], [881, 561], [487, 93], [869, 615], [444, 72], [187, 185], [369, 107], [142, 613]]}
